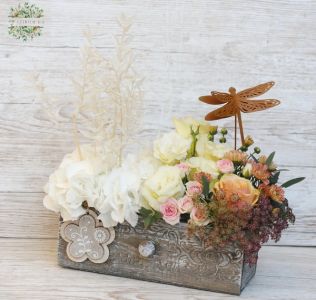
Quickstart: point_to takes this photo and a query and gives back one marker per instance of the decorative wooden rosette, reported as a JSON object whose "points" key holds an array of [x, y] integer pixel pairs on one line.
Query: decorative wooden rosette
{"points": [[87, 238]]}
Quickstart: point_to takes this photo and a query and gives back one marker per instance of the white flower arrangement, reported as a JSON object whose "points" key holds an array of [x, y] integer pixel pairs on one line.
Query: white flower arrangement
{"points": [[144, 182]]}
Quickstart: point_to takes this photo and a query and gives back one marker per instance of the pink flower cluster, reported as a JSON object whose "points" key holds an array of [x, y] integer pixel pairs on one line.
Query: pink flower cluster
{"points": [[173, 208], [170, 211]]}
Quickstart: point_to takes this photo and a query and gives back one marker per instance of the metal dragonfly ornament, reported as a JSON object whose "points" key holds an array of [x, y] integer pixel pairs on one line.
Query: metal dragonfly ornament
{"points": [[235, 103]]}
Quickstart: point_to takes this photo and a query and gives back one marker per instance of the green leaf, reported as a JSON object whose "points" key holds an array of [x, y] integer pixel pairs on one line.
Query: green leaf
{"points": [[270, 159], [206, 186], [278, 205], [148, 221], [292, 181], [274, 178], [149, 216]]}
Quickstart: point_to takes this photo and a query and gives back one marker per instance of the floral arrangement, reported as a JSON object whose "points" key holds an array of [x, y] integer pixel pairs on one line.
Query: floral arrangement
{"points": [[189, 174], [224, 195]]}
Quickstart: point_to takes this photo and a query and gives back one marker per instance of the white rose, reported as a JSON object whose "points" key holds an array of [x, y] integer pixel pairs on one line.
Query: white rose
{"points": [[73, 182], [165, 183], [209, 149], [171, 147], [202, 164], [183, 126]]}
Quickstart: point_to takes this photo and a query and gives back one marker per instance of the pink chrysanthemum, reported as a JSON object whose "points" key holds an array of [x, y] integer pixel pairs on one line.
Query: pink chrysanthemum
{"points": [[236, 156], [260, 171], [276, 193]]}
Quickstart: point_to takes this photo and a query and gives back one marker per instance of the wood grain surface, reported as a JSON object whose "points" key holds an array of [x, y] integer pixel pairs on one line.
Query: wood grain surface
{"points": [[185, 49], [32, 273]]}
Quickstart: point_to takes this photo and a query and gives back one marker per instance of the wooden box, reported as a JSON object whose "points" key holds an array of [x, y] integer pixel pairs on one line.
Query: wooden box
{"points": [[177, 259]]}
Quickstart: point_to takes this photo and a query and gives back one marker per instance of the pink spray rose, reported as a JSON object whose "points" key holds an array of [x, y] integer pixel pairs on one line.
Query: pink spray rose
{"points": [[194, 188], [225, 166], [184, 168], [185, 204], [199, 216], [170, 211]]}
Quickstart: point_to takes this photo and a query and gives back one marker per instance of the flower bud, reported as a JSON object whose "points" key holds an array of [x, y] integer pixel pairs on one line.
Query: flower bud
{"points": [[248, 141], [257, 150], [223, 131], [243, 148], [210, 137], [262, 159], [213, 130], [247, 170], [222, 140]]}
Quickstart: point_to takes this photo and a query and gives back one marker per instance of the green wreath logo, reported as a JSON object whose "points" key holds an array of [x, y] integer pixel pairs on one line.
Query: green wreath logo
{"points": [[26, 21]]}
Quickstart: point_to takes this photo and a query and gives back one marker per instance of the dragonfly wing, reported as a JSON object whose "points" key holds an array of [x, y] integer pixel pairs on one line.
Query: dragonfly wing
{"points": [[256, 91], [225, 111], [216, 98], [248, 106]]}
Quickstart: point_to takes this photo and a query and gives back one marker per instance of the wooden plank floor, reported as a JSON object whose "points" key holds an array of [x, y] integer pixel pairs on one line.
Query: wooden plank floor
{"points": [[29, 270]]}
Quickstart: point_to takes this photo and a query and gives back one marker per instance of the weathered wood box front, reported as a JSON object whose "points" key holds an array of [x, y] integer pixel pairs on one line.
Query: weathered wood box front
{"points": [[176, 259]]}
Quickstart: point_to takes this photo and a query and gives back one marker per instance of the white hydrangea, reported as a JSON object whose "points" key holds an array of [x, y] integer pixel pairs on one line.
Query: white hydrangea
{"points": [[73, 182], [119, 191]]}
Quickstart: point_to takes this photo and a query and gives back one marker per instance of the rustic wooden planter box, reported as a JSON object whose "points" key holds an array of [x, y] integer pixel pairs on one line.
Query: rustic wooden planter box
{"points": [[177, 260]]}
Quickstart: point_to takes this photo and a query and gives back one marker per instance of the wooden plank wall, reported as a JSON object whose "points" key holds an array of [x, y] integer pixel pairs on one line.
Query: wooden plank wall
{"points": [[185, 49]]}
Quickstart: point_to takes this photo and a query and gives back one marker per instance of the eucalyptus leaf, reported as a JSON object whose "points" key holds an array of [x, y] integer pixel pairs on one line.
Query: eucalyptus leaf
{"points": [[206, 186], [274, 178], [292, 182], [270, 159]]}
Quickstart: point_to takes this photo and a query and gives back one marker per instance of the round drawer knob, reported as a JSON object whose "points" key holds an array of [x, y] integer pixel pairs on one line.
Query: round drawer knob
{"points": [[146, 248]]}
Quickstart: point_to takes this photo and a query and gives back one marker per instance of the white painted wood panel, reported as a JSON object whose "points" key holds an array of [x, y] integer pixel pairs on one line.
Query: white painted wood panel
{"points": [[185, 49]]}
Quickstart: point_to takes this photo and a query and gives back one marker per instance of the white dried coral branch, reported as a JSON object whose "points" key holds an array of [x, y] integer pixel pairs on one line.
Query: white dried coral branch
{"points": [[108, 95]]}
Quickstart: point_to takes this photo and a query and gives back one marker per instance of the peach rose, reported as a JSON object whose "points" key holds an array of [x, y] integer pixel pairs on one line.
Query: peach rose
{"points": [[170, 211], [225, 166], [199, 216], [185, 204], [237, 188]]}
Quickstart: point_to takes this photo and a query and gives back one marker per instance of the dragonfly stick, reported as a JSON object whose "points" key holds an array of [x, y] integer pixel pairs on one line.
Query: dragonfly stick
{"points": [[235, 132], [241, 128]]}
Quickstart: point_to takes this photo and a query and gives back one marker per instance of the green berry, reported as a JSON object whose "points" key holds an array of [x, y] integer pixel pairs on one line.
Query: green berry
{"points": [[222, 140], [210, 137], [223, 131], [213, 130], [257, 150], [243, 148]]}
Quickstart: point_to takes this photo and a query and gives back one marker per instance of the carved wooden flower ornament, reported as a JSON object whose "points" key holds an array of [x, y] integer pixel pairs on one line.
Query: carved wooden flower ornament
{"points": [[87, 238]]}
